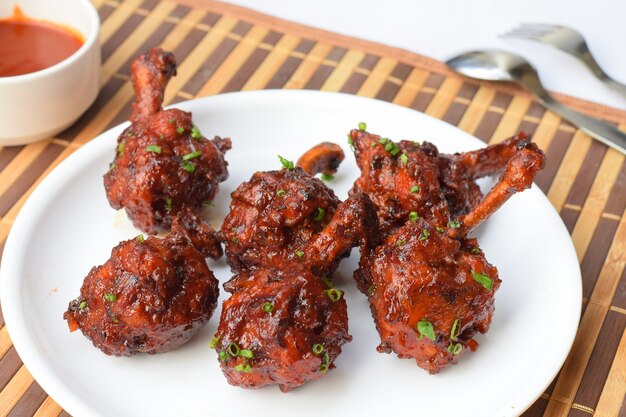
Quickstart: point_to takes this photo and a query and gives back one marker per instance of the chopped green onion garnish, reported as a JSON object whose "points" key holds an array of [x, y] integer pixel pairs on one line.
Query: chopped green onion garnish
{"points": [[233, 349], [325, 363], [245, 353], [299, 253], [120, 148], [392, 148], [425, 328], [324, 368], [362, 126], [334, 294], [327, 281], [454, 224], [195, 133], [168, 204], [483, 280], [153, 148], [320, 214], [223, 356], [455, 349], [476, 250], [281, 193], [350, 142], [413, 216], [415, 188], [188, 166], [172, 121], [425, 234], [140, 238], [287, 164], [370, 290], [82, 305], [192, 155], [213, 343], [456, 328], [208, 203], [318, 348], [268, 307], [401, 242], [112, 166], [440, 229], [404, 158], [327, 177], [243, 367], [110, 297], [180, 130], [383, 140]]}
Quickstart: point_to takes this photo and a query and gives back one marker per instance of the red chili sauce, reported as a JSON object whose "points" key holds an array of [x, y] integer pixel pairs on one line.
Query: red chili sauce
{"points": [[28, 45]]}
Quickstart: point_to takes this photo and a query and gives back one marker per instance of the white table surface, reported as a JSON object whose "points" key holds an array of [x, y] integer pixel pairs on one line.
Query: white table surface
{"points": [[442, 28]]}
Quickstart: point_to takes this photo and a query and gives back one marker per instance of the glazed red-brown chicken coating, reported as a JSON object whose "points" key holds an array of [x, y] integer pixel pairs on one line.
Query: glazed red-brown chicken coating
{"points": [[286, 315], [162, 162], [274, 216], [406, 177], [431, 289], [152, 295]]}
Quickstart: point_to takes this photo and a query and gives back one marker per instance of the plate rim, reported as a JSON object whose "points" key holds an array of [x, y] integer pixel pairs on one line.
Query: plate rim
{"points": [[11, 282]]}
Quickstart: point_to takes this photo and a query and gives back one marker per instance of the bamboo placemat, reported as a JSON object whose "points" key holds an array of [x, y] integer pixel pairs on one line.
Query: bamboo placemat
{"points": [[223, 48]]}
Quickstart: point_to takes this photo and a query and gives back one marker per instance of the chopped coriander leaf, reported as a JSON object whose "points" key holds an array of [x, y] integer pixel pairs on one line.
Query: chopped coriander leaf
{"points": [[299, 253], [287, 164], [140, 238], [213, 343], [168, 204], [320, 214], [180, 130], [362, 126], [334, 294], [454, 224], [110, 297], [192, 155], [188, 166], [415, 188], [82, 305], [327, 177], [243, 367], [268, 307], [245, 353], [425, 234], [120, 148], [318, 348], [483, 280], [370, 290], [195, 133], [327, 281], [153, 148], [404, 158], [456, 329], [233, 349], [281, 193], [425, 328], [223, 356], [413, 216]]}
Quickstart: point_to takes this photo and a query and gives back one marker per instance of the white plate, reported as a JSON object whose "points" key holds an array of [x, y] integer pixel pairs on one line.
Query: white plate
{"points": [[67, 226]]}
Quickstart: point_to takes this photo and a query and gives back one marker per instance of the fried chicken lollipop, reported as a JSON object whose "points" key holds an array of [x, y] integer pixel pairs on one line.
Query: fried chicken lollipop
{"points": [[163, 163], [431, 288], [284, 323], [153, 294]]}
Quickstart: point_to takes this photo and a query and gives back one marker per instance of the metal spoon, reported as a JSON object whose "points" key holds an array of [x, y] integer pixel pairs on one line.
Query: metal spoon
{"points": [[493, 65]]}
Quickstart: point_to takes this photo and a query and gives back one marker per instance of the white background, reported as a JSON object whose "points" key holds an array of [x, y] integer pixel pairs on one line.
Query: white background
{"points": [[441, 28]]}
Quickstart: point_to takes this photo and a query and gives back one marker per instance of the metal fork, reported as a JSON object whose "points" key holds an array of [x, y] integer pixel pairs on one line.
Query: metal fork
{"points": [[567, 40]]}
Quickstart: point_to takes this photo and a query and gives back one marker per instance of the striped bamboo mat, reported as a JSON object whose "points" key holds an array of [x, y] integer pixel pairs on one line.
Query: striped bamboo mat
{"points": [[224, 48]]}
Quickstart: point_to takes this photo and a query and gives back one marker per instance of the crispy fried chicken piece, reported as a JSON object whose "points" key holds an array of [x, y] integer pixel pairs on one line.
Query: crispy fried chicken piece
{"points": [[162, 163], [152, 295], [406, 177], [284, 323], [431, 288]]}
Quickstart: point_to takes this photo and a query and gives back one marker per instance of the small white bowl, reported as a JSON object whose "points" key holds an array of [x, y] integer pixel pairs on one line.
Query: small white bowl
{"points": [[39, 105]]}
